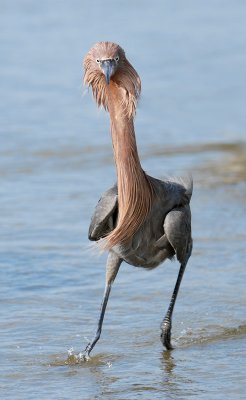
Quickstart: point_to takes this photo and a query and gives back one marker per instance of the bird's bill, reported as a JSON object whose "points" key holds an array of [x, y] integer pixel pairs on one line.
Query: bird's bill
{"points": [[108, 67]]}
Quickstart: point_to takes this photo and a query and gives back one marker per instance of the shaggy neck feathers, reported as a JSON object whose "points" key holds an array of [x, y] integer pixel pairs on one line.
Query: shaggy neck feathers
{"points": [[135, 192]]}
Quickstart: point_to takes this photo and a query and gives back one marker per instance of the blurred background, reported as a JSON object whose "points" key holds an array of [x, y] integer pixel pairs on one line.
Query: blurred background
{"points": [[56, 160]]}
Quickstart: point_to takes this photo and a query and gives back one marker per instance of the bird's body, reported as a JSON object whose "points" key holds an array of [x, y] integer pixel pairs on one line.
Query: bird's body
{"points": [[149, 246], [141, 220]]}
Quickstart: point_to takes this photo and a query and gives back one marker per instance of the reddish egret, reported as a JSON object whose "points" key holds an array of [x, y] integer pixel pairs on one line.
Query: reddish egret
{"points": [[141, 220]]}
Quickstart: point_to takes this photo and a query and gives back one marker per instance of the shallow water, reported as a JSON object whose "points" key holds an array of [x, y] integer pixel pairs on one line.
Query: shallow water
{"points": [[56, 159]]}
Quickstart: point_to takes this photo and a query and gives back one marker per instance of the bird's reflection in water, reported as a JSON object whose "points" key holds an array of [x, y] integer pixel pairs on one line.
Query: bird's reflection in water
{"points": [[170, 380], [175, 382], [168, 362]]}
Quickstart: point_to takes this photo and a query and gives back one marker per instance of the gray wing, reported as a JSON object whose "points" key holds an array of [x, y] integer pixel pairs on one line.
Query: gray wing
{"points": [[102, 221], [177, 227]]}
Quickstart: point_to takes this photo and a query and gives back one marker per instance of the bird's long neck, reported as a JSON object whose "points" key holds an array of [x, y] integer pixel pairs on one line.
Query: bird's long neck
{"points": [[134, 186], [127, 161]]}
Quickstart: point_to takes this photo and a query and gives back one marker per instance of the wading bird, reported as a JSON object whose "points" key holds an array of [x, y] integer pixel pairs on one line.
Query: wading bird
{"points": [[141, 220]]}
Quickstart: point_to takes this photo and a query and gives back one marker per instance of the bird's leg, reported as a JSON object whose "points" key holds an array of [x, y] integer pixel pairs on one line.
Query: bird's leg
{"points": [[113, 265], [166, 324]]}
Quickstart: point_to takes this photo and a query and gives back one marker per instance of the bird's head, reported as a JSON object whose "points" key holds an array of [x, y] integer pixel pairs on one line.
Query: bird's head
{"points": [[103, 59], [105, 63]]}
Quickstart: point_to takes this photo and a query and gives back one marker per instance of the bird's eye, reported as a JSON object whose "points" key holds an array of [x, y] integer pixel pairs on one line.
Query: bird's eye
{"points": [[117, 58], [98, 61]]}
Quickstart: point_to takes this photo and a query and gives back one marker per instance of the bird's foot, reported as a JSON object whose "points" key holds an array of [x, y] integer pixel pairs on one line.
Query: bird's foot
{"points": [[78, 358], [85, 355], [166, 333]]}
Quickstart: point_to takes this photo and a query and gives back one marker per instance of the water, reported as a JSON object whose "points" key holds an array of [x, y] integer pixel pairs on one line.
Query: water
{"points": [[56, 159]]}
